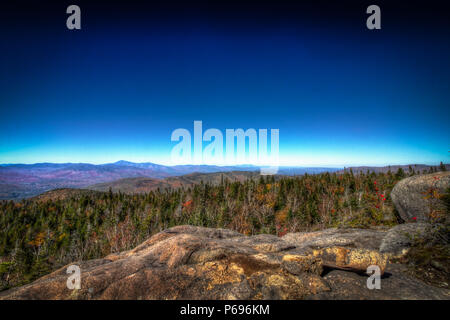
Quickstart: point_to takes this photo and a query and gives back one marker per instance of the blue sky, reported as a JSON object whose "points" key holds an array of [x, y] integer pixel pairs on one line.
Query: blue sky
{"points": [[339, 94]]}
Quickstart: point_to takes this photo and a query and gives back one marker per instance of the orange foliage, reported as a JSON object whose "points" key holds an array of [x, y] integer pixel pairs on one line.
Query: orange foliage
{"points": [[39, 240], [281, 216]]}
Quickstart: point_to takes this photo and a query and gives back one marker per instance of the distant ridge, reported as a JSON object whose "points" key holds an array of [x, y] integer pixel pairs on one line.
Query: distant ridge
{"points": [[144, 185], [418, 168]]}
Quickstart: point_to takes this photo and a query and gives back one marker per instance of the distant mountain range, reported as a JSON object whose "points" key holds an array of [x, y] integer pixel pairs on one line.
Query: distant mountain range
{"points": [[18, 181]]}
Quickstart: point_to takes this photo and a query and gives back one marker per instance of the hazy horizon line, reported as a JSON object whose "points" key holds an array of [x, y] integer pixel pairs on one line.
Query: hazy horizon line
{"points": [[228, 165]]}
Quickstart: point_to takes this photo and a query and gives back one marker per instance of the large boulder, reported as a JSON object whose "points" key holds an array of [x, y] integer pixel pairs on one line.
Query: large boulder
{"points": [[416, 197], [187, 262]]}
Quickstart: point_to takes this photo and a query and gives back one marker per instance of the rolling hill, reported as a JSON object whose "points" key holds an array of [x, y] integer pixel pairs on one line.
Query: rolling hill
{"points": [[143, 185]]}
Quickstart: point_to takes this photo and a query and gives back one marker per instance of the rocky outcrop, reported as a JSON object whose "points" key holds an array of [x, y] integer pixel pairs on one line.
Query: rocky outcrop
{"points": [[418, 196], [187, 262]]}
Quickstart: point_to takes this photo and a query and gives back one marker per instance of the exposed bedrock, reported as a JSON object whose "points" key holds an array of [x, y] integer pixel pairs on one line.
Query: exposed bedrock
{"points": [[187, 262]]}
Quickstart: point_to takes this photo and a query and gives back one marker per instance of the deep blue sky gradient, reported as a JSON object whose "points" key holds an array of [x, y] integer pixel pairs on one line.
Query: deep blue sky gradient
{"points": [[340, 94]]}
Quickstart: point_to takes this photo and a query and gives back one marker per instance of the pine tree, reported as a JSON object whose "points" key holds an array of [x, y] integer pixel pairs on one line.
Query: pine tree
{"points": [[400, 173]]}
